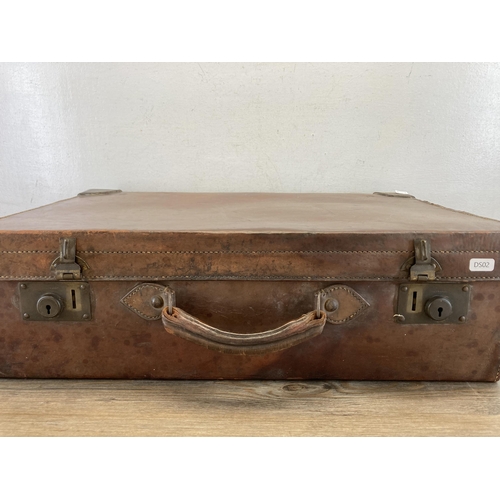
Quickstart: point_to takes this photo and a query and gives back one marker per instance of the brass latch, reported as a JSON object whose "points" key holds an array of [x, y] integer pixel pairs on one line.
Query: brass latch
{"points": [[65, 266], [424, 268]]}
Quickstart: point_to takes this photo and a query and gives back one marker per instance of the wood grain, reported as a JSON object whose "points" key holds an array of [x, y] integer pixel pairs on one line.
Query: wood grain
{"points": [[187, 408]]}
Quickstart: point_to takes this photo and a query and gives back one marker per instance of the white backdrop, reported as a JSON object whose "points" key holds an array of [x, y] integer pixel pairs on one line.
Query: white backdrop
{"points": [[432, 129]]}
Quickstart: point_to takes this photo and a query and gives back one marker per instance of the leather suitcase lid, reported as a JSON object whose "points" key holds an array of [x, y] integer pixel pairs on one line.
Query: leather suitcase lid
{"points": [[163, 236]]}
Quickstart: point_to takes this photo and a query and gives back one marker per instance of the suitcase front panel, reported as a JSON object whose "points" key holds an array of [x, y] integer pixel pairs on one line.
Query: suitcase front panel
{"points": [[118, 343]]}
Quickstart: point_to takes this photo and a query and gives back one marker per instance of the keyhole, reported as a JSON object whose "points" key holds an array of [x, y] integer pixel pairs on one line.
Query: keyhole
{"points": [[48, 310], [440, 311]]}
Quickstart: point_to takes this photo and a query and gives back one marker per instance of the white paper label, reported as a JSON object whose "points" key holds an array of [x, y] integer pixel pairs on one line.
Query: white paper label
{"points": [[481, 265]]}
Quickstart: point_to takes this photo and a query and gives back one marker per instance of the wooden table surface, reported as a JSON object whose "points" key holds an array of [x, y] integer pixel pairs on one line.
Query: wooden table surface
{"points": [[248, 408]]}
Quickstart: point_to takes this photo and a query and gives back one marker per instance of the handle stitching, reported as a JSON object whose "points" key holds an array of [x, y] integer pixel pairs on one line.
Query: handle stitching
{"points": [[362, 307], [140, 313]]}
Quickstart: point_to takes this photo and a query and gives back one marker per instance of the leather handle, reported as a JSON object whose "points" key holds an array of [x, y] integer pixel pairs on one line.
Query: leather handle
{"points": [[183, 325]]}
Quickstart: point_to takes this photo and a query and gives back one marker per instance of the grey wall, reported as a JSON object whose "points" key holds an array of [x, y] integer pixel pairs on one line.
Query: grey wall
{"points": [[431, 129]]}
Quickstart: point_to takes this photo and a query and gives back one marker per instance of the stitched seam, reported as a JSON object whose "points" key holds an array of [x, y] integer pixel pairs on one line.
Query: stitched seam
{"points": [[29, 251], [236, 276], [468, 277], [140, 313], [204, 252], [257, 277], [350, 292], [29, 277], [497, 376], [138, 289], [465, 251], [362, 307], [145, 316], [336, 322], [246, 252]]}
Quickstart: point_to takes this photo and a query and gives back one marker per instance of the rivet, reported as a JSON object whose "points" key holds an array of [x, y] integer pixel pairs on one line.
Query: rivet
{"points": [[26, 315], [157, 302], [465, 289], [23, 286], [399, 318], [461, 319], [331, 305], [404, 288], [85, 316]]}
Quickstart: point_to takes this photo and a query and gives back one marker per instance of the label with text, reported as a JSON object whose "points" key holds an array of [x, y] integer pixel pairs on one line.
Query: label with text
{"points": [[481, 265]]}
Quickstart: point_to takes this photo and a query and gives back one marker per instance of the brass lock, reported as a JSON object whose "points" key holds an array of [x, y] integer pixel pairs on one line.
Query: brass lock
{"points": [[432, 302], [49, 305], [55, 301], [438, 308]]}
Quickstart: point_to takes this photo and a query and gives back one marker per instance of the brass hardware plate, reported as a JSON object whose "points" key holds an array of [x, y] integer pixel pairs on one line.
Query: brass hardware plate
{"points": [[429, 303], [55, 301]]}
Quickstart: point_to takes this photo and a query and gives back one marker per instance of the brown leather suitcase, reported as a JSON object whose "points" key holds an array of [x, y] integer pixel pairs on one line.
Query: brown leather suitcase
{"points": [[249, 286]]}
